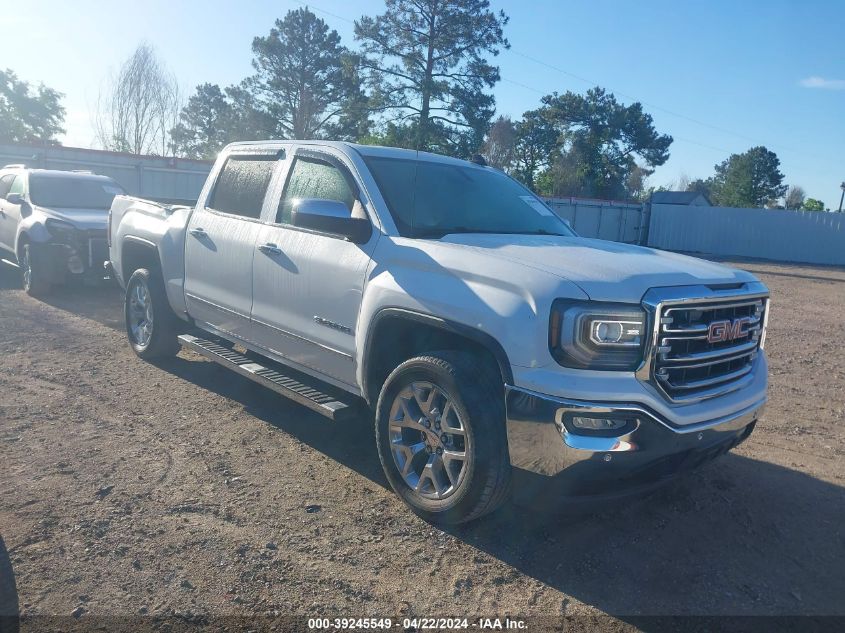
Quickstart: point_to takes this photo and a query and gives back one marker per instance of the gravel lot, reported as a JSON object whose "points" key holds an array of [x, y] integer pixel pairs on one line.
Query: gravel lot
{"points": [[130, 489]]}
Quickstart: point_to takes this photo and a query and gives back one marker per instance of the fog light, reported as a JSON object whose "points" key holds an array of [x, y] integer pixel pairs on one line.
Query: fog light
{"points": [[598, 424], [74, 264]]}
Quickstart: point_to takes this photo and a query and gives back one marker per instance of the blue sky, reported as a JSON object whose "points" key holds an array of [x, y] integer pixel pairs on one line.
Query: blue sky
{"points": [[719, 76]]}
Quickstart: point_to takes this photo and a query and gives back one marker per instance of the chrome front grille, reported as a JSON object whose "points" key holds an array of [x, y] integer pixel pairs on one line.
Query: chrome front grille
{"points": [[706, 348]]}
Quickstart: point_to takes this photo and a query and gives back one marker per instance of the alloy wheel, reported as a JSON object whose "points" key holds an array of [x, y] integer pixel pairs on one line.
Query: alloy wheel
{"points": [[140, 314], [26, 269], [428, 440]]}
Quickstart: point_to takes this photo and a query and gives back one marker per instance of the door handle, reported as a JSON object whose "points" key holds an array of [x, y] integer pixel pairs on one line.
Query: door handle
{"points": [[198, 232], [270, 249]]}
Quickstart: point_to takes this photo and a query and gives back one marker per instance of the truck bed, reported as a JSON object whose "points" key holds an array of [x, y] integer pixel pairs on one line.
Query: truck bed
{"points": [[138, 221], [142, 205]]}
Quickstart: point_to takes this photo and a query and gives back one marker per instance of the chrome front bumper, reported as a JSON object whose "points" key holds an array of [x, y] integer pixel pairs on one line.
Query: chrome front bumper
{"points": [[552, 459]]}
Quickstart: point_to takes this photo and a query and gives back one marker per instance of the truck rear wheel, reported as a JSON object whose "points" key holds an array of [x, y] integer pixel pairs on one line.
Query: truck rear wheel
{"points": [[150, 323], [440, 431]]}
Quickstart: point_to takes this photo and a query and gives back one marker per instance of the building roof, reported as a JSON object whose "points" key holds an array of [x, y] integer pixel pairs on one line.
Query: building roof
{"points": [[678, 197], [62, 173], [81, 174], [39, 145]]}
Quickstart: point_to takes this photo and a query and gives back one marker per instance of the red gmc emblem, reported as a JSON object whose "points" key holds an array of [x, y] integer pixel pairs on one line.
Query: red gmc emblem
{"points": [[727, 330]]}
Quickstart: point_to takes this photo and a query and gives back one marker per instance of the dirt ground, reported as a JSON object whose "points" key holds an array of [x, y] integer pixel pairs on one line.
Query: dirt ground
{"points": [[128, 488]]}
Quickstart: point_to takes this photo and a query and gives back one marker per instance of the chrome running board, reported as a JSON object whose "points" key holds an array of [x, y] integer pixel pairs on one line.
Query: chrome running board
{"points": [[307, 395]]}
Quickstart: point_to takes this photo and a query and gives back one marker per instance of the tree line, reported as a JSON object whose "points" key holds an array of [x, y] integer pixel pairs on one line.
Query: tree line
{"points": [[753, 179], [420, 77]]}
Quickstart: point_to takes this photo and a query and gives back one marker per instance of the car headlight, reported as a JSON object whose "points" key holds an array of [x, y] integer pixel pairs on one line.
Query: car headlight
{"points": [[58, 227], [590, 335]]}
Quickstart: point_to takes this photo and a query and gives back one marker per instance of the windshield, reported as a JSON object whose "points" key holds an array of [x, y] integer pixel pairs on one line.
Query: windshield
{"points": [[70, 192], [430, 199]]}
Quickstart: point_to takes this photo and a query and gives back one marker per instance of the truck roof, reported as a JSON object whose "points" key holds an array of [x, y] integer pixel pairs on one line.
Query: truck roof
{"points": [[364, 150]]}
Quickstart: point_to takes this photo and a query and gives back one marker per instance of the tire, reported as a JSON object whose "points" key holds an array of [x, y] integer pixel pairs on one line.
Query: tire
{"points": [[466, 394], [151, 326], [34, 278]]}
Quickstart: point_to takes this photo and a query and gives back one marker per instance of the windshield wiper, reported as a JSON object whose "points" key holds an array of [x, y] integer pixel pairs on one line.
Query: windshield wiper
{"points": [[543, 232], [463, 229], [433, 233]]}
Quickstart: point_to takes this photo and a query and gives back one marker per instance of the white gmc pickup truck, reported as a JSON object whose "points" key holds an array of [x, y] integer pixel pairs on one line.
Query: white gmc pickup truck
{"points": [[500, 353]]}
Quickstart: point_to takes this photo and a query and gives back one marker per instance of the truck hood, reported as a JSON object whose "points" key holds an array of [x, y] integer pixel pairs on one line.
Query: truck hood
{"points": [[606, 271], [84, 219]]}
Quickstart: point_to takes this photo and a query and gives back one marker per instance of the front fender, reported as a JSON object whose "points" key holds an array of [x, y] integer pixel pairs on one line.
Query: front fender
{"points": [[164, 231], [507, 302], [32, 228]]}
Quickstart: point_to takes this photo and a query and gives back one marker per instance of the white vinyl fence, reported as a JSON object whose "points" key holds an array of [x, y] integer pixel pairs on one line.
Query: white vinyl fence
{"points": [[603, 219], [792, 236], [155, 177], [813, 237]]}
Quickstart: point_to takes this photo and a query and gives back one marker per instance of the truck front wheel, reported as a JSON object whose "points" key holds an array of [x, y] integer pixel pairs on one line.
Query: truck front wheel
{"points": [[33, 263], [150, 323], [440, 430]]}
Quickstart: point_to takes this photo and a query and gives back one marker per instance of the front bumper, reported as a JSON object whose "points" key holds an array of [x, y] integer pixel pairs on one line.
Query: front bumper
{"points": [[77, 253], [552, 462]]}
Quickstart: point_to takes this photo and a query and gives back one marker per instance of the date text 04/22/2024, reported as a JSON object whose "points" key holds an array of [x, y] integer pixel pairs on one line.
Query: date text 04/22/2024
{"points": [[418, 624]]}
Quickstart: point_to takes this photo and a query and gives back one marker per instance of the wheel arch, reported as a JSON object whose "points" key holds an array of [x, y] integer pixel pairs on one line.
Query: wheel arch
{"points": [[21, 239], [397, 334], [135, 253], [32, 229]]}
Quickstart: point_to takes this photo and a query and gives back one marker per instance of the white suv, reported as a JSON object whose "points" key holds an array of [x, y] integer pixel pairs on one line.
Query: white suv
{"points": [[53, 224]]}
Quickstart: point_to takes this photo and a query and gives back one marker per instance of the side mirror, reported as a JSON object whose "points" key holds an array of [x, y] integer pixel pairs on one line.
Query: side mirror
{"points": [[330, 216], [15, 198]]}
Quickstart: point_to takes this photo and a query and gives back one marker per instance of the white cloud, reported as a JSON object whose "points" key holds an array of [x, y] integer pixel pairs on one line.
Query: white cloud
{"points": [[820, 82]]}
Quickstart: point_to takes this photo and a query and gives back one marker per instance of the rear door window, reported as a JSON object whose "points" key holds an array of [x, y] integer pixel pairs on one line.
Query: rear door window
{"points": [[242, 185]]}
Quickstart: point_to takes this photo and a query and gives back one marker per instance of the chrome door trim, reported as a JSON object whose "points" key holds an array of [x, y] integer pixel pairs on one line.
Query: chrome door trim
{"points": [[217, 306], [301, 338], [278, 357]]}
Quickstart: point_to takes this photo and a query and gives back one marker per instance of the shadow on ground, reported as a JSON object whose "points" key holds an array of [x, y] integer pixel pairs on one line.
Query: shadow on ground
{"points": [[10, 278], [765, 539], [351, 443], [9, 606], [760, 533], [101, 303]]}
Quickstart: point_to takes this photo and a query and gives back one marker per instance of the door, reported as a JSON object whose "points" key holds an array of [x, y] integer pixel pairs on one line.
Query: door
{"points": [[307, 286], [10, 214], [221, 241]]}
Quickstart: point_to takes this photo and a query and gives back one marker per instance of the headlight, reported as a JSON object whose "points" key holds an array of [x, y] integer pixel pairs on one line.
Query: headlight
{"points": [[589, 335], [58, 227]]}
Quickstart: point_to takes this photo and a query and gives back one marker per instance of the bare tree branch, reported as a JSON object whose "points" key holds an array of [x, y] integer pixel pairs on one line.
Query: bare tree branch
{"points": [[137, 107]]}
